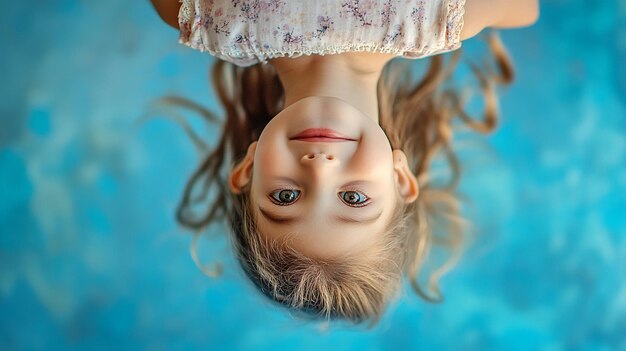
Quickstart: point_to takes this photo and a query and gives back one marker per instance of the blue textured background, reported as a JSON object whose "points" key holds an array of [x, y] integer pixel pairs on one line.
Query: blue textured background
{"points": [[91, 257]]}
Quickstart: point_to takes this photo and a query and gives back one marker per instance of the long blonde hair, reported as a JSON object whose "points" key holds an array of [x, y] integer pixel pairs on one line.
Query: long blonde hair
{"points": [[417, 118]]}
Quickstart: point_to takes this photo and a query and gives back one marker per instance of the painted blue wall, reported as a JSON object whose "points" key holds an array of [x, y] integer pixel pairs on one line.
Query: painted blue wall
{"points": [[91, 256]]}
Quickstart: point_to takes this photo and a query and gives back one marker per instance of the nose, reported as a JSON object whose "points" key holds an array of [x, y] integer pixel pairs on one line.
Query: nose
{"points": [[319, 162], [317, 156]]}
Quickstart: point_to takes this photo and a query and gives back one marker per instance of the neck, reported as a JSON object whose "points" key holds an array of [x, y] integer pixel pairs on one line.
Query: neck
{"points": [[352, 77]]}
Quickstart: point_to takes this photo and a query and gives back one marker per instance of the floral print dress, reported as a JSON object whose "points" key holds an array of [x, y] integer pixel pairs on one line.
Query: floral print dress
{"points": [[247, 32]]}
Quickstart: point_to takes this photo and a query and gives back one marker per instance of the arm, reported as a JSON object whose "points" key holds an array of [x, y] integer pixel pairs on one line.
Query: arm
{"points": [[167, 10], [480, 14]]}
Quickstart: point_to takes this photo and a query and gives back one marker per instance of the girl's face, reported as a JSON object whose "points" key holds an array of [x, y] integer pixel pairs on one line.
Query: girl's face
{"points": [[330, 196]]}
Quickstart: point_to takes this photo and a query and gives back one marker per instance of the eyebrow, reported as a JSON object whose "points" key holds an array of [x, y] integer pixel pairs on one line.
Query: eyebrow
{"points": [[344, 219]]}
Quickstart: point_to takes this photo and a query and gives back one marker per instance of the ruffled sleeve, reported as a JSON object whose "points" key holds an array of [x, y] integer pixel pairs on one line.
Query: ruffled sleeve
{"points": [[454, 24], [185, 19], [437, 28], [198, 29]]}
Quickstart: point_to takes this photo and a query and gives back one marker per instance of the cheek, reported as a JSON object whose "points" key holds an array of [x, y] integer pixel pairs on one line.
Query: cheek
{"points": [[270, 158], [373, 156]]}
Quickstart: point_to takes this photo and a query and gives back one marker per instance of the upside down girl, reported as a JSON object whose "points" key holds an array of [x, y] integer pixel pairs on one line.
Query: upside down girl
{"points": [[323, 165]]}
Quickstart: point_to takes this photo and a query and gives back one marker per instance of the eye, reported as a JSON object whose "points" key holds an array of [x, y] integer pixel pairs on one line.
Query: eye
{"points": [[285, 197], [354, 198]]}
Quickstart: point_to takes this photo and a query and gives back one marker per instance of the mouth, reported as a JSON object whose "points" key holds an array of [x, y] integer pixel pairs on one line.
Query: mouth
{"points": [[321, 135]]}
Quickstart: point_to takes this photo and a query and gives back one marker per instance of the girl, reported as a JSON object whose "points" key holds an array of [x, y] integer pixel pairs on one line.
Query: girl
{"points": [[323, 161]]}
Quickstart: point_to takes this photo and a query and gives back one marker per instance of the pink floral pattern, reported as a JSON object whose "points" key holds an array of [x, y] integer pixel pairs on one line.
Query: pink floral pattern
{"points": [[418, 13], [247, 32]]}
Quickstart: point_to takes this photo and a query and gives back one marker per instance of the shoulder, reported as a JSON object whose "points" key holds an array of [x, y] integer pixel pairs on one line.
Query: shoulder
{"points": [[167, 10], [480, 14]]}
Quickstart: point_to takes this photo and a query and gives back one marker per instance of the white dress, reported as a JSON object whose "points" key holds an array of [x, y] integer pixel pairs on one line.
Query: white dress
{"points": [[247, 32]]}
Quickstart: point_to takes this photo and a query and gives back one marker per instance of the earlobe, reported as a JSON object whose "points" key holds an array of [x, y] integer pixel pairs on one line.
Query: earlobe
{"points": [[241, 174], [406, 181]]}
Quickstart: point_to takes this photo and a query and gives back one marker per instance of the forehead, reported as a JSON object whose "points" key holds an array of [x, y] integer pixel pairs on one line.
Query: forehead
{"points": [[324, 233], [323, 240]]}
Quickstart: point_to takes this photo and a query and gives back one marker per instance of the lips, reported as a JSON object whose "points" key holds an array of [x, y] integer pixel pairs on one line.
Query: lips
{"points": [[321, 135]]}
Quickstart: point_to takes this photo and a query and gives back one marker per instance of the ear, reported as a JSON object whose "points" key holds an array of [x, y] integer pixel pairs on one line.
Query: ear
{"points": [[240, 174], [406, 182]]}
